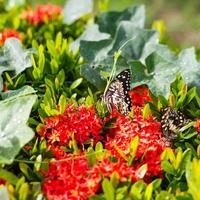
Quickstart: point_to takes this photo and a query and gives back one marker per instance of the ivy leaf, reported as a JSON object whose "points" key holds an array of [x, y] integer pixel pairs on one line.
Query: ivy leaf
{"points": [[109, 21], [14, 133], [75, 9], [14, 58], [138, 43], [91, 33], [162, 66]]}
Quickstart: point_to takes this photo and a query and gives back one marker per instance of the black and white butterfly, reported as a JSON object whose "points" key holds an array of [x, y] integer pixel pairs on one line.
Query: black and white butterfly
{"points": [[172, 121], [117, 93]]}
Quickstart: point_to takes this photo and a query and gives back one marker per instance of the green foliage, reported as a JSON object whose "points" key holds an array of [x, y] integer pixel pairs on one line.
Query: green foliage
{"points": [[15, 109]]}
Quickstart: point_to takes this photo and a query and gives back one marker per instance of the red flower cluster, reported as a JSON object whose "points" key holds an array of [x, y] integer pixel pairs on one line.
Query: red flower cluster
{"points": [[73, 179], [42, 13], [80, 122], [151, 141], [8, 33], [140, 95]]}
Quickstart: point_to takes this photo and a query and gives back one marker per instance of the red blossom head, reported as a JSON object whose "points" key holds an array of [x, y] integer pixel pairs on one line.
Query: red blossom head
{"points": [[71, 179], [151, 141], [9, 33], [140, 95], [79, 122], [41, 13]]}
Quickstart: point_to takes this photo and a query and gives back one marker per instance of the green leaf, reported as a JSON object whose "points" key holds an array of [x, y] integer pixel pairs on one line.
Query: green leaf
{"points": [[91, 33], [133, 149], [133, 43], [13, 94], [142, 171], [161, 68], [14, 132], [108, 189], [99, 151], [163, 195], [193, 179], [91, 156], [137, 189], [114, 179], [75, 9], [148, 192], [14, 58], [93, 76], [76, 83], [168, 167], [62, 104], [8, 176], [24, 191], [109, 21]]}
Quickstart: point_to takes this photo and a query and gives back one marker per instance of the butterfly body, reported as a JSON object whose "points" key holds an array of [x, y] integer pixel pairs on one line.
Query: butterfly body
{"points": [[117, 93], [171, 122]]}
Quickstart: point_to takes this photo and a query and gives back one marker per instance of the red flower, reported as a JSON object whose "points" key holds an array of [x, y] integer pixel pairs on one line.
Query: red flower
{"points": [[125, 172], [151, 141], [2, 182], [71, 179], [140, 95], [8, 33], [197, 125], [80, 122], [42, 13]]}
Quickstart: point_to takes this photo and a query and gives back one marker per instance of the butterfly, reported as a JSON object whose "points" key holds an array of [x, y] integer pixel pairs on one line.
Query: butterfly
{"points": [[117, 93], [172, 121]]}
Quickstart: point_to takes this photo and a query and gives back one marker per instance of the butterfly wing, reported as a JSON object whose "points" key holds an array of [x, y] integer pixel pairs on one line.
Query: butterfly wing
{"points": [[117, 93], [171, 122]]}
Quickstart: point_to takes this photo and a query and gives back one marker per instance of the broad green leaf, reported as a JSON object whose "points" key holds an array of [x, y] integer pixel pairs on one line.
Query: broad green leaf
{"points": [[75, 9], [17, 57], [107, 24], [161, 68], [26, 90], [109, 21], [14, 58], [93, 76], [91, 33], [14, 132], [127, 36], [134, 43]]}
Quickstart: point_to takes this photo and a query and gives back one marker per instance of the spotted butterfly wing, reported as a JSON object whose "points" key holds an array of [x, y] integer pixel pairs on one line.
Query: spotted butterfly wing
{"points": [[117, 93], [171, 122]]}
